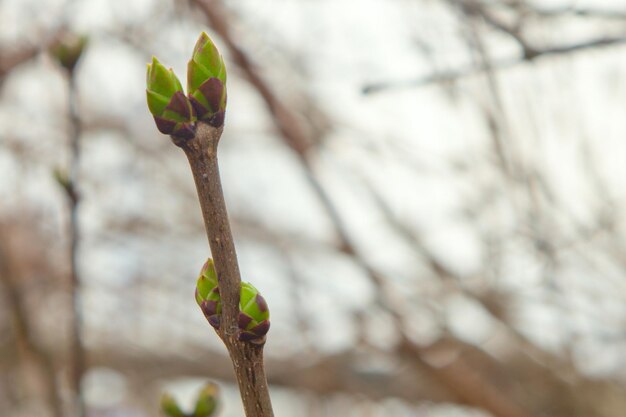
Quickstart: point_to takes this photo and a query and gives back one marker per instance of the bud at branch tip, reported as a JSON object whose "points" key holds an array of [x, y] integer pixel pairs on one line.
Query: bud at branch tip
{"points": [[176, 113]]}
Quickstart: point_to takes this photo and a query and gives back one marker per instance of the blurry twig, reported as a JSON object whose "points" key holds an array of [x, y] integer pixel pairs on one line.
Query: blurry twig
{"points": [[575, 11], [529, 53], [497, 122], [463, 72], [474, 8], [321, 375], [512, 168], [497, 308], [10, 60], [470, 385], [32, 350], [67, 51], [74, 234]]}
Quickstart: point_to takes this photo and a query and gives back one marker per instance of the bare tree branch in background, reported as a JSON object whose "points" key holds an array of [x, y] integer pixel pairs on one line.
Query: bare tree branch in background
{"points": [[530, 53], [500, 64], [576, 11], [473, 8], [27, 345], [67, 51], [10, 59]]}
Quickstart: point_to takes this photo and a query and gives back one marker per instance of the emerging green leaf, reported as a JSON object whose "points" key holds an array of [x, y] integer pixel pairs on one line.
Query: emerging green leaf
{"points": [[206, 82], [254, 313], [207, 402], [167, 102], [208, 294]]}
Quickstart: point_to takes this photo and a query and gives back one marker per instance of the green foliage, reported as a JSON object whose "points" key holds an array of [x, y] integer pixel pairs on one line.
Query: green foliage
{"points": [[206, 81]]}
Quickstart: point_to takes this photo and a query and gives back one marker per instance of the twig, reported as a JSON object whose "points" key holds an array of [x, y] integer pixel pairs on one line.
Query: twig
{"points": [[24, 53], [472, 8], [10, 61], [577, 12], [247, 357], [77, 349], [15, 302], [466, 382], [498, 122], [319, 375], [463, 72]]}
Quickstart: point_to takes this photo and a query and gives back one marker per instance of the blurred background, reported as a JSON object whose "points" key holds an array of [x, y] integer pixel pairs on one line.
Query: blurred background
{"points": [[429, 194]]}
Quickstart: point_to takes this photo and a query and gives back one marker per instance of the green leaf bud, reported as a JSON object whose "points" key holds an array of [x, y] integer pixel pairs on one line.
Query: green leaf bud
{"points": [[207, 402], [68, 49], [208, 294], [63, 179], [170, 407], [253, 314], [253, 320], [206, 82], [172, 110]]}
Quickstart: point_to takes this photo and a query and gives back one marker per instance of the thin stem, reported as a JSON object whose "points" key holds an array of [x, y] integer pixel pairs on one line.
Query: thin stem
{"points": [[250, 371], [27, 344], [77, 349], [247, 357], [500, 64]]}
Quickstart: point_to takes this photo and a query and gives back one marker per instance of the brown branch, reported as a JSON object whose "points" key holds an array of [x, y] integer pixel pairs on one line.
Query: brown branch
{"points": [[247, 358], [10, 61], [70, 187], [473, 8], [497, 122], [576, 12], [30, 347], [24, 53], [78, 350], [565, 395], [464, 72], [332, 374], [468, 383]]}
